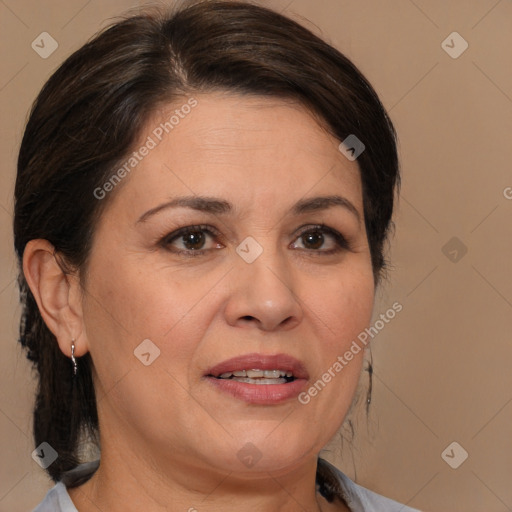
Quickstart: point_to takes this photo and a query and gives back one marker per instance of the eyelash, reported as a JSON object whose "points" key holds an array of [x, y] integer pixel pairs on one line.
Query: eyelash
{"points": [[340, 240]]}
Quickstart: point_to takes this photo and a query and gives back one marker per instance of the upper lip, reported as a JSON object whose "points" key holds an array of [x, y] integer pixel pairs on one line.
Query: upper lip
{"points": [[256, 361]]}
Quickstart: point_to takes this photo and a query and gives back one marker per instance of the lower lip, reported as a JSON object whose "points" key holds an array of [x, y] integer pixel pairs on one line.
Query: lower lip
{"points": [[264, 394]]}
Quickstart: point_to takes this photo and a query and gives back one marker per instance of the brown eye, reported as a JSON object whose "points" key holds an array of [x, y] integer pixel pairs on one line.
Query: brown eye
{"points": [[321, 240], [192, 240], [313, 239]]}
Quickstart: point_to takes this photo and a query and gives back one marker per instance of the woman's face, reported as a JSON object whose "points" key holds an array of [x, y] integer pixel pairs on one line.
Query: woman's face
{"points": [[255, 276]]}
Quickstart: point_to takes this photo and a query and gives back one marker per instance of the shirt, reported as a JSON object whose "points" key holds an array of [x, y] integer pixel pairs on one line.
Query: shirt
{"points": [[358, 498]]}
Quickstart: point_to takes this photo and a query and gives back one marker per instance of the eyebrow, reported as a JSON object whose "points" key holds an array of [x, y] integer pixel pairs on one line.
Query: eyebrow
{"points": [[219, 206]]}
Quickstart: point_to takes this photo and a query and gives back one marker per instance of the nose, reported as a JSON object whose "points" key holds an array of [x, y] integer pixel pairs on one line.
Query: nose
{"points": [[263, 295]]}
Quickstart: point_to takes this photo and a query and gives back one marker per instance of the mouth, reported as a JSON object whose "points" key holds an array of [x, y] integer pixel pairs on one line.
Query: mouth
{"points": [[259, 378]]}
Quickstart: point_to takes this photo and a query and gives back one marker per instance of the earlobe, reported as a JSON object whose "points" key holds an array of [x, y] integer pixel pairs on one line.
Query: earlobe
{"points": [[53, 289]]}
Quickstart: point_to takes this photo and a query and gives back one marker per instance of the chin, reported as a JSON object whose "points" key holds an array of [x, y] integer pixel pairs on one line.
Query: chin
{"points": [[264, 453]]}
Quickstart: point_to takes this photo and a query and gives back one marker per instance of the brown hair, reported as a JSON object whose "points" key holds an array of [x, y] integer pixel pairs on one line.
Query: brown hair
{"points": [[89, 114]]}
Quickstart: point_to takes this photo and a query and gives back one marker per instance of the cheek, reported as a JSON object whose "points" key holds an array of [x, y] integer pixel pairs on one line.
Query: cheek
{"points": [[340, 309], [130, 302], [138, 300], [343, 306]]}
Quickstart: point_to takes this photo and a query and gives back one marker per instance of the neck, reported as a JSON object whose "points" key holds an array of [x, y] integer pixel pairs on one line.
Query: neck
{"points": [[127, 482]]}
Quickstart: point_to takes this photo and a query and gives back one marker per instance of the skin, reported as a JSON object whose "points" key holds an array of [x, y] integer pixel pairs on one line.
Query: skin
{"points": [[169, 439]]}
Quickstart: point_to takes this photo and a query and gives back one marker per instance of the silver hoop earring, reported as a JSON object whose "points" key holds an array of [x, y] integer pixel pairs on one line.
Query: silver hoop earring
{"points": [[73, 356]]}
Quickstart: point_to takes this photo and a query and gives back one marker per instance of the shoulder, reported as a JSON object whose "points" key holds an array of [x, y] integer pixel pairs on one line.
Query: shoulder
{"points": [[57, 498], [360, 499]]}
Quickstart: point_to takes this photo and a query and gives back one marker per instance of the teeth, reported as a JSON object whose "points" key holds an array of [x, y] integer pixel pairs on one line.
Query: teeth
{"points": [[260, 380], [261, 375], [256, 374]]}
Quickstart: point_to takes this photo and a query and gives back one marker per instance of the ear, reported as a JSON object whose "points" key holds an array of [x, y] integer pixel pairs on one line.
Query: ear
{"points": [[57, 294]]}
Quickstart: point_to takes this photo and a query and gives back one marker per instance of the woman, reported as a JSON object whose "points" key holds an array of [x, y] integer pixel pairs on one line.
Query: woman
{"points": [[202, 201]]}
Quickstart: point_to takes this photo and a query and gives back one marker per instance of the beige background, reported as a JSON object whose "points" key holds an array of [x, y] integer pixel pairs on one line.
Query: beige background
{"points": [[442, 366]]}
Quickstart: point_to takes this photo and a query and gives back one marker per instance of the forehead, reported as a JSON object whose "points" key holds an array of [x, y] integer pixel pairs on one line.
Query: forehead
{"points": [[247, 149]]}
